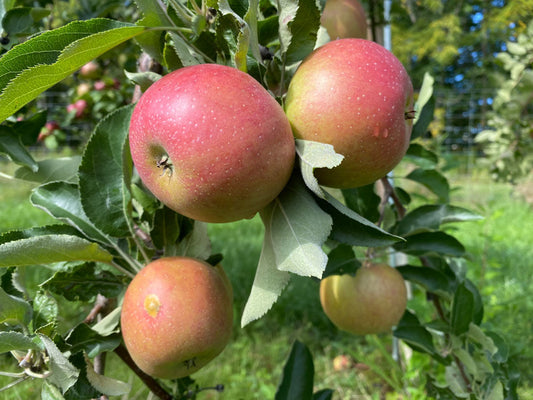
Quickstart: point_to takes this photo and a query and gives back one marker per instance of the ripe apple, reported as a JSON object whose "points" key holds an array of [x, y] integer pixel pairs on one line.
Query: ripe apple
{"points": [[344, 19], [211, 143], [177, 316], [355, 95], [371, 301]]}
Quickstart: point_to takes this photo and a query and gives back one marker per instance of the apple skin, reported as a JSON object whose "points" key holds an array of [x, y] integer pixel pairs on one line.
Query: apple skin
{"points": [[344, 19], [355, 95], [372, 301], [211, 143], [177, 316]]}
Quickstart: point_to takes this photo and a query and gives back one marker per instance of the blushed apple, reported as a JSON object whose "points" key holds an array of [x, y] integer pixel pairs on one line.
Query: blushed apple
{"points": [[344, 19], [211, 143], [177, 315], [371, 301], [355, 95]]}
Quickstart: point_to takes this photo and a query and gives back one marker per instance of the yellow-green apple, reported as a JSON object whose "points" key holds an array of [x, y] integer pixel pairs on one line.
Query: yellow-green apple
{"points": [[177, 316], [371, 301], [211, 143], [355, 95], [344, 19]]}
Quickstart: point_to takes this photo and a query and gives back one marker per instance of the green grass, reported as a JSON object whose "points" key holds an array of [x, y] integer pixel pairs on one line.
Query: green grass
{"points": [[500, 254]]}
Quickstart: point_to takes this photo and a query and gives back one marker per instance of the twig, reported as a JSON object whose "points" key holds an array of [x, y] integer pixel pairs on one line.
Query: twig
{"points": [[150, 382]]}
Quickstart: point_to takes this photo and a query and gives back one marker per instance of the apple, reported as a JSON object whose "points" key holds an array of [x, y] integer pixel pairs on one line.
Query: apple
{"points": [[79, 107], [355, 95], [91, 70], [342, 362], [211, 143], [82, 89], [177, 315], [99, 85], [344, 19], [371, 301], [47, 130]]}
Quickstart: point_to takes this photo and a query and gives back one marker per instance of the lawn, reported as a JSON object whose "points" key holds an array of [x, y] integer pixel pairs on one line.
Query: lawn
{"points": [[499, 259]]}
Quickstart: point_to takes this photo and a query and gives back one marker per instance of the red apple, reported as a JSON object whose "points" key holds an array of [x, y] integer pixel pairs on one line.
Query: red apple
{"points": [[355, 95], [371, 301], [211, 143], [344, 19], [177, 315], [99, 85]]}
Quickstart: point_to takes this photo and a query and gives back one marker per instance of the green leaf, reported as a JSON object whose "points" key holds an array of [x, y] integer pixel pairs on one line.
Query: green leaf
{"points": [[233, 38], [63, 373], [297, 229], [11, 145], [351, 228], [44, 60], [324, 394], [315, 155], [298, 26], [364, 201], [425, 93], [166, 230], [183, 52], [45, 309], [431, 217], [416, 336], [105, 172], [19, 20], [50, 392], [104, 384], [84, 282], [196, 243], [143, 79], [12, 340], [430, 279], [62, 201], [109, 324], [13, 310], [341, 260], [50, 248], [29, 128], [269, 281], [51, 170], [433, 180], [427, 243], [154, 15], [462, 310], [83, 338], [298, 375], [421, 156]]}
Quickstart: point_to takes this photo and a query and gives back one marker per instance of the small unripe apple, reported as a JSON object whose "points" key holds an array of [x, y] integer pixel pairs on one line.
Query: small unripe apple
{"points": [[355, 95], [344, 19], [211, 143], [371, 301], [99, 85], [177, 316]]}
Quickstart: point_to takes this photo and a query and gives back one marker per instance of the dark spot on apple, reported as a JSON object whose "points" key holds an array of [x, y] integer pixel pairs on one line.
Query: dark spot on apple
{"points": [[191, 363]]}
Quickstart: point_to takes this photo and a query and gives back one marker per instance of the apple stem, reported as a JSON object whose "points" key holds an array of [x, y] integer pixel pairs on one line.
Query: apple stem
{"points": [[150, 382]]}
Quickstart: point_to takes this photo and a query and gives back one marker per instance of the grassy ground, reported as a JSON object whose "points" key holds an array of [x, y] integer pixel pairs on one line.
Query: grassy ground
{"points": [[500, 255]]}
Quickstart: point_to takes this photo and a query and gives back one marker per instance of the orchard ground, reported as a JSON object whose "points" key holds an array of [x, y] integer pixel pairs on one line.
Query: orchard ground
{"points": [[499, 261]]}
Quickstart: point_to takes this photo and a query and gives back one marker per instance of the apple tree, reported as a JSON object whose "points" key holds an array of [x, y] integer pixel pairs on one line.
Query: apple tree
{"points": [[508, 139], [110, 225]]}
